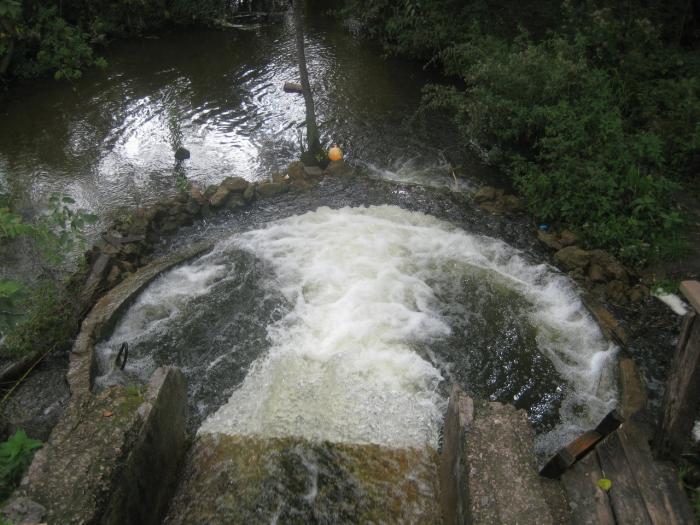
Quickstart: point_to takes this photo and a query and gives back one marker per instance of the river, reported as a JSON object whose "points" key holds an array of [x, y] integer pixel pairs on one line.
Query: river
{"points": [[315, 316]]}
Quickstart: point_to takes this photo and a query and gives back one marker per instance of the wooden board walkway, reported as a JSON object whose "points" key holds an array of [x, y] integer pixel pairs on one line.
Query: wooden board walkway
{"points": [[643, 491]]}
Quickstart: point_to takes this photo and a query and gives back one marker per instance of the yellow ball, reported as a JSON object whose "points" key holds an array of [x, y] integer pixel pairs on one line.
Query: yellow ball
{"points": [[335, 153]]}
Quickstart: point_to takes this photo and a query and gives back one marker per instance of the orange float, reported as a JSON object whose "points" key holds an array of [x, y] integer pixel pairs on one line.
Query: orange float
{"points": [[335, 153]]}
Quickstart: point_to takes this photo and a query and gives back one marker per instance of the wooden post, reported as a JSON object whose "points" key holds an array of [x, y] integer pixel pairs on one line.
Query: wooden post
{"points": [[682, 394]]}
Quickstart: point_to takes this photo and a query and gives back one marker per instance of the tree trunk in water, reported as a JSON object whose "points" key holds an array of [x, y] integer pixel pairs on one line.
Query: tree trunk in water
{"points": [[312, 135]]}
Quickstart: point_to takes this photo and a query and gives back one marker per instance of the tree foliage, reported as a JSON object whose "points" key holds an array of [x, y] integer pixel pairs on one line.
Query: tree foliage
{"points": [[15, 456], [55, 233], [39, 37], [595, 115]]}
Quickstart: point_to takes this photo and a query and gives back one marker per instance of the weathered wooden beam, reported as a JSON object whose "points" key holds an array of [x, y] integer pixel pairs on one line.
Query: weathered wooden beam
{"points": [[454, 499], [691, 291], [588, 503], [633, 396], [665, 501], [626, 501], [580, 447], [682, 392]]}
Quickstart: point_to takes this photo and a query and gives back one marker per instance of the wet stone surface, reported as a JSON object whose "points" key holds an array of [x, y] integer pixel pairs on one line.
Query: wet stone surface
{"points": [[235, 479]]}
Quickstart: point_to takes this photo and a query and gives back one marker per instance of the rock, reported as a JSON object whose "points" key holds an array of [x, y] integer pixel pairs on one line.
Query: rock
{"points": [[228, 186], [280, 177], [296, 170], [168, 226], [126, 266], [596, 273], [572, 258], [192, 208], [612, 268], [270, 189], [292, 87], [234, 184], [638, 293], [235, 201], [486, 193], [219, 198], [510, 203], [130, 252], [313, 171], [567, 238], [616, 292], [23, 511], [549, 240], [197, 196], [182, 154], [98, 273], [338, 168], [249, 193]]}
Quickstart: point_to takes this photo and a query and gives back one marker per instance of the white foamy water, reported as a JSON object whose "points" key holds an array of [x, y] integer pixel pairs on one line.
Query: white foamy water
{"points": [[158, 305], [671, 300], [342, 365]]}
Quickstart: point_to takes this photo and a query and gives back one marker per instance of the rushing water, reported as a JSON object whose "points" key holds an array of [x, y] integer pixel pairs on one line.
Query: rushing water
{"points": [[340, 323], [367, 310]]}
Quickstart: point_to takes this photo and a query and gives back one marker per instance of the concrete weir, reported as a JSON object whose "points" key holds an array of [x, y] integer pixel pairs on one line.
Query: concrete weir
{"points": [[113, 457], [485, 474]]}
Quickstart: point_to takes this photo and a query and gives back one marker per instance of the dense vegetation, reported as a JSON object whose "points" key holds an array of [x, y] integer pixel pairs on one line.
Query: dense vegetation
{"points": [[36, 316], [39, 37], [591, 107]]}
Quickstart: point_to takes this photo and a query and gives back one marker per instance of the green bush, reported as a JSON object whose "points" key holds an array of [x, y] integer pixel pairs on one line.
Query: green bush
{"points": [[595, 121], [40, 37], [39, 316], [15, 456]]}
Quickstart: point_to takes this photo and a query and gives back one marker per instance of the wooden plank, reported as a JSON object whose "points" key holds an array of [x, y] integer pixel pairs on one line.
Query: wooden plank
{"points": [[589, 504], [454, 481], [626, 501], [664, 499], [682, 393], [691, 291], [633, 396], [581, 446]]}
